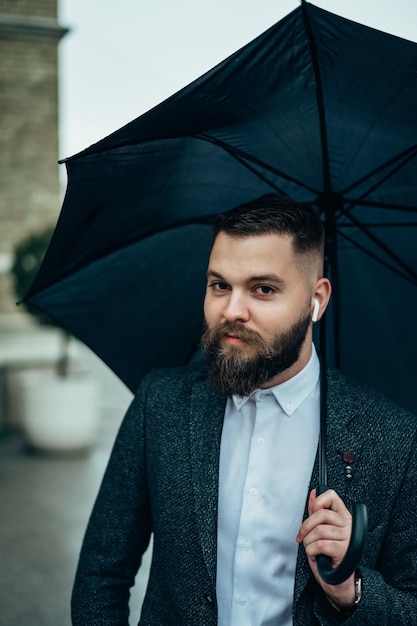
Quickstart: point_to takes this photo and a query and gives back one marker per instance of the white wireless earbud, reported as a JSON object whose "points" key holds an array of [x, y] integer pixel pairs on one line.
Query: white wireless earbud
{"points": [[315, 315]]}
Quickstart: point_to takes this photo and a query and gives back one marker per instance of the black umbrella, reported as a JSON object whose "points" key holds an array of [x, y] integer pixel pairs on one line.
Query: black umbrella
{"points": [[319, 108]]}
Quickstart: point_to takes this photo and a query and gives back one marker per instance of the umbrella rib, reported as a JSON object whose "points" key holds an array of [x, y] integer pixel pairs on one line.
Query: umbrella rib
{"points": [[379, 205], [244, 158], [251, 168], [392, 268], [380, 225], [409, 270], [401, 159]]}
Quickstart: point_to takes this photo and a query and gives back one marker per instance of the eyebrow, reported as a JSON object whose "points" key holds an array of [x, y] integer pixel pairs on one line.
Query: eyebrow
{"points": [[266, 278], [213, 273], [253, 279]]}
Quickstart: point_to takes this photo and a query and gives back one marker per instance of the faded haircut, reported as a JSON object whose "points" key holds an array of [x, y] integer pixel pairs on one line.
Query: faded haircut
{"points": [[275, 214]]}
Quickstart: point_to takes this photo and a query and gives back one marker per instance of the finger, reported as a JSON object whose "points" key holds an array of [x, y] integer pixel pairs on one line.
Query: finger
{"points": [[311, 499], [335, 550], [329, 540], [333, 545], [325, 517], [326, 533], [328, 500]]}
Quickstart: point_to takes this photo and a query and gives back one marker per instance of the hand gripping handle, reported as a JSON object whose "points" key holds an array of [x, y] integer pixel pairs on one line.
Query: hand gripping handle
{"points": [[336, 575]]}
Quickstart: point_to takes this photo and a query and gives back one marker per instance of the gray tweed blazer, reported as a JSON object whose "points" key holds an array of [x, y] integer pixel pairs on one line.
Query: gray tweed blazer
{"points": [[162, 478]]}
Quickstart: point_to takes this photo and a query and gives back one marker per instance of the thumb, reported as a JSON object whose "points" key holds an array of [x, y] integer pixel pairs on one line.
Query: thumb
{"points": [[311, 500]]}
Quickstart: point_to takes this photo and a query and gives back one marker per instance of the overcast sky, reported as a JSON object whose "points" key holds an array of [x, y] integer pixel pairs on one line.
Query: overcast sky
{"points": [[122, 58]]}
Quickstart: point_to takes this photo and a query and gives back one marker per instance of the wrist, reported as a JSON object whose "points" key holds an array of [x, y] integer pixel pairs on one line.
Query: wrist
{"points": [[350, 607]]}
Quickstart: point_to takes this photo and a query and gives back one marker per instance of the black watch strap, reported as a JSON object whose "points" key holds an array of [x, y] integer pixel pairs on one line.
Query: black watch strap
{"points": [[349, 609]]}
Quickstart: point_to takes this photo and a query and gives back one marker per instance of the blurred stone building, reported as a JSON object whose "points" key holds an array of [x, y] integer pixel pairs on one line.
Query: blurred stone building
{"points": [[30, 195]]}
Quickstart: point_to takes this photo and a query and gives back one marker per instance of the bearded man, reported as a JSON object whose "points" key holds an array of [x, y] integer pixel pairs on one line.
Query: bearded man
{"points": [[217, 461]]}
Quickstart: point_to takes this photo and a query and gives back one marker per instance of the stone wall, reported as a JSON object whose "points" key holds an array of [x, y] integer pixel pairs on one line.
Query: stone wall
{"points": [[30, 195], [41, 8]]}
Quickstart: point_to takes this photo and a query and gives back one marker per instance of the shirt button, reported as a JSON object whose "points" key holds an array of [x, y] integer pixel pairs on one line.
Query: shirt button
{"points": [[260, 441], [290, 406], [241, 600], [253, 491], [246, 545], [262, 396]]}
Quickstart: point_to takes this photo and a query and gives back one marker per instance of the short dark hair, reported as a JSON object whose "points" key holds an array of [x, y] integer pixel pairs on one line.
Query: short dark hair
{"points": [[273, 213]]}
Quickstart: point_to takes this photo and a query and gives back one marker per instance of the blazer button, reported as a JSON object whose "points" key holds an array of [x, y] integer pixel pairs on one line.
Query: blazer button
{"points": [[210, 601]]}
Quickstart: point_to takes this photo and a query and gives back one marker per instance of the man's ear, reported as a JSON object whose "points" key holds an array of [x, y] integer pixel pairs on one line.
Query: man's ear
{"points": [[320, 298]]}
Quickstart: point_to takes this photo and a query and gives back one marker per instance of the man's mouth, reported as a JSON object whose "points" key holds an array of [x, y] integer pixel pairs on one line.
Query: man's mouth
{"points": [[233, 339]]}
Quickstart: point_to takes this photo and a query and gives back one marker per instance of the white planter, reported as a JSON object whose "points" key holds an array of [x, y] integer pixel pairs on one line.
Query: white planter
{"points": [[58, 414]]}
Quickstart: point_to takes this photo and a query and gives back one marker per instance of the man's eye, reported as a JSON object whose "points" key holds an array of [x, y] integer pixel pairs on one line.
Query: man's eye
{"points": [[264, 290], [219, 286]]}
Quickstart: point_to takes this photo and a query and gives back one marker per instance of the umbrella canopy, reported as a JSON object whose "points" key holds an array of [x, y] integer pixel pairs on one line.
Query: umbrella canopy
{"points": [[319, 108]]}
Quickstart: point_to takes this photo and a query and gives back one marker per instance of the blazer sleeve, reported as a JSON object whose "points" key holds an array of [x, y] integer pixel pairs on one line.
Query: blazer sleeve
{"points": [[118, 531], [390, 589]]}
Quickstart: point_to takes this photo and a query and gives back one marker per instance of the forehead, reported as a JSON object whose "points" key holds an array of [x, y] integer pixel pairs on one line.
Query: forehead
{"points": [[259, 254]]}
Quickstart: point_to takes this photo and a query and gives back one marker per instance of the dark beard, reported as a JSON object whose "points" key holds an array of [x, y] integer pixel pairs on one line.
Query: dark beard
{"points": [[233, 373]]}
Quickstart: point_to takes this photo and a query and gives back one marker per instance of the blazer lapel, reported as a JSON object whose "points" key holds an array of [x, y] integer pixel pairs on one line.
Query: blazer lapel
{"points": [[206, 421], [342, 437]]}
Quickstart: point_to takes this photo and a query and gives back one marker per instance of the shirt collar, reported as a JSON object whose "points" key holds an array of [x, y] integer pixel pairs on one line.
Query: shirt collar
{"points": [[292, 393]]}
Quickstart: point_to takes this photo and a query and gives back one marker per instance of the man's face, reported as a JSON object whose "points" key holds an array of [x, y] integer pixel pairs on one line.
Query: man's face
{"points": [[257, 310]]}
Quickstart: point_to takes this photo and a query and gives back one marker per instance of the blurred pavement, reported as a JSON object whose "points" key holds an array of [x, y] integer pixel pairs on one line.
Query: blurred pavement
{"points": [[45, 501]]}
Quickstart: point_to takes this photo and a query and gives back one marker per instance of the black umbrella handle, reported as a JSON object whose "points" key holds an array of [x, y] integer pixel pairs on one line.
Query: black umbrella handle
{"points": [[336, 575]]}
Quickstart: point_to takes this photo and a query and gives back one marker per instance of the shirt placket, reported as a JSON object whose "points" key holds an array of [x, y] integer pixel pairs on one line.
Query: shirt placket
{"points": [[245, 562]]}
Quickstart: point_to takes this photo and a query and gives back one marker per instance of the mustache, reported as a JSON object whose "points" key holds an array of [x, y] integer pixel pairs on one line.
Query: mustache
{"points": [[213, 335]]}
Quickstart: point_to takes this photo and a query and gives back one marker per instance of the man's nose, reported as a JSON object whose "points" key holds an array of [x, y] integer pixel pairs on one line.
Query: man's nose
{"points": [[236, 309]]}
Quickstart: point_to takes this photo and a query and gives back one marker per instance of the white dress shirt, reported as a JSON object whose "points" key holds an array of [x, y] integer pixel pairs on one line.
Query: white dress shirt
{"points": [[268, 447]]}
